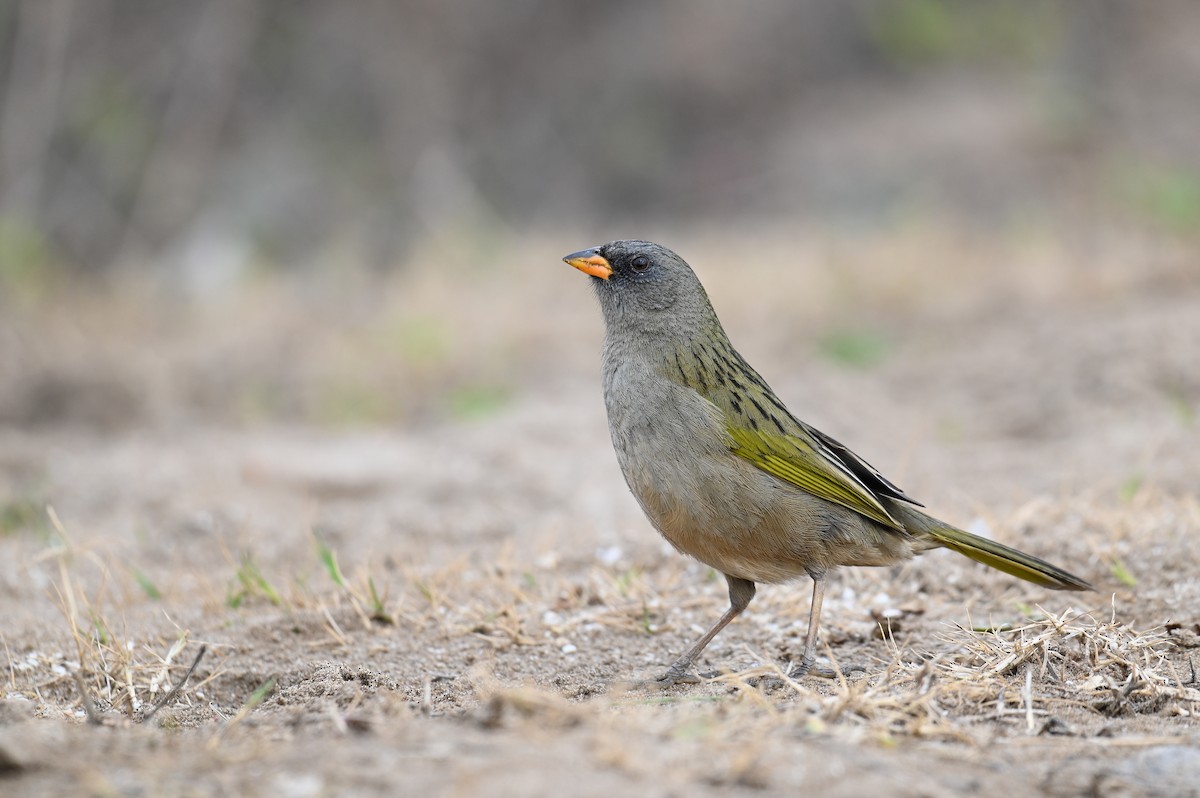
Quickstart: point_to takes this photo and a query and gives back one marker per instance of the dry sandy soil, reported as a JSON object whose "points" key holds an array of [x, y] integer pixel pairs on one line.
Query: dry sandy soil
{"points": [[388, 509]]}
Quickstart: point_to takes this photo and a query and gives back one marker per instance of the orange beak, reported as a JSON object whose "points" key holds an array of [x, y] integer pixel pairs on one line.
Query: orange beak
{"points": [[590, 261]]}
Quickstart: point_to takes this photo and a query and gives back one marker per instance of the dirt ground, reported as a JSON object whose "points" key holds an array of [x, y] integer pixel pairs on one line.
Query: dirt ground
{"points": [[388, 508]]}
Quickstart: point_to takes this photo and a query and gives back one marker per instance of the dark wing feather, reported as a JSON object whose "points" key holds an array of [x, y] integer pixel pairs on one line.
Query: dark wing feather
{"points": [[866, 473]]}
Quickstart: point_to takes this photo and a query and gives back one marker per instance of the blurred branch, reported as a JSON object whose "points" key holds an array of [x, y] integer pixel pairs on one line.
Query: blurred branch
{"points": [[188, 135], [29, 115]]}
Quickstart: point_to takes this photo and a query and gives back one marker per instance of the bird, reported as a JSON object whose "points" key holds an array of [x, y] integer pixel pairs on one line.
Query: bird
{"points": [[726, 473]]}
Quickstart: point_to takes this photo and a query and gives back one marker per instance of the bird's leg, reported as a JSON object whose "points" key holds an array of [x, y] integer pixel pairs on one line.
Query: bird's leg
{"points": [[740, 593], [808, 661]]}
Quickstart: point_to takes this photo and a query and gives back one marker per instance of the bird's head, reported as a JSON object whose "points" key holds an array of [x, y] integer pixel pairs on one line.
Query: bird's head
{"points": [[644, 287]]}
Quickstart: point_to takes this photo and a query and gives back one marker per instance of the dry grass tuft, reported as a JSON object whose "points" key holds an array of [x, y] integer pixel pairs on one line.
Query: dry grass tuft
{"points": [[111, 670], [1103, 664]]}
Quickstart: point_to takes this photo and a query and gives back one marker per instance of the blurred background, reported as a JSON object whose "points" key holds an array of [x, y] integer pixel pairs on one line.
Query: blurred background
{"points": [[283, 320], [352, 212]]}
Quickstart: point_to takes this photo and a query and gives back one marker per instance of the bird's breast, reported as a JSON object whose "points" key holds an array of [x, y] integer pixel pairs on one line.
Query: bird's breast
{"points": [[674, 452]]}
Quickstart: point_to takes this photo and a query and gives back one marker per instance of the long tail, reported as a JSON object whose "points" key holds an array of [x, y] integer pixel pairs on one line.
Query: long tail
{"points": [[989, 552]]}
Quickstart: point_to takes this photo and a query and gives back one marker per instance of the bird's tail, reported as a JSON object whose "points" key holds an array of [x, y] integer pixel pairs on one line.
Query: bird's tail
{"points": [[989, 552]]}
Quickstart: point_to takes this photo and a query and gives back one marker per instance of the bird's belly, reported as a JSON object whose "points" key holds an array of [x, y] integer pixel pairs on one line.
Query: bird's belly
{"points": [[706, 501], [759, 529], [723, 528]]}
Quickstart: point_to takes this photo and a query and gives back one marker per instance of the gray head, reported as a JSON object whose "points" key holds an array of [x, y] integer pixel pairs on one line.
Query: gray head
{"points": [[646, 289]]}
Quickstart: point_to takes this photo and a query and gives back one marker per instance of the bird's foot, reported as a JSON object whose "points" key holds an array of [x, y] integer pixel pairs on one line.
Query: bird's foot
{"points": [[796, 671], [679, 673], [676, 675], [809, 667]]}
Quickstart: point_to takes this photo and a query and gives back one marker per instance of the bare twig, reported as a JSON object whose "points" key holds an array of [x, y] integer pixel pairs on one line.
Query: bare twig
{"points": [[174, 691], [1027, 697], [93, 717]]}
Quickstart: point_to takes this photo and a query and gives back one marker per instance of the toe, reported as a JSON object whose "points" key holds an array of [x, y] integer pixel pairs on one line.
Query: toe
{"points": [[673, 677]]}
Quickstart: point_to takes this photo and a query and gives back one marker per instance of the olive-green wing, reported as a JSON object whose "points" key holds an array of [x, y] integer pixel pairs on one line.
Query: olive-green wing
{"points": [[792, 451], [803, 462]]}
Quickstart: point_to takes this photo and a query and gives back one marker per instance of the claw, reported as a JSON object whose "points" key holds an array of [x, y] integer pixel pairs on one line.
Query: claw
{"points": [[808, 667], [673, 677]]}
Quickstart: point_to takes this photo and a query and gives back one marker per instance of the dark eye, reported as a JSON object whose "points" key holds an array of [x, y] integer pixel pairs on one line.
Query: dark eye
{"points": [[640, 263]]}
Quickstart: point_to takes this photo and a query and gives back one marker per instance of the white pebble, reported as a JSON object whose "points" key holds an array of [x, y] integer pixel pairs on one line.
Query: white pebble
{"points": [[609, 555]]}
